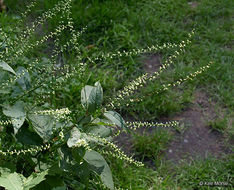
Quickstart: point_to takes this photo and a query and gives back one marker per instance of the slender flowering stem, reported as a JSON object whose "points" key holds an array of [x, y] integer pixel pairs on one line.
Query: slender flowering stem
{"points": [[164, 87]]}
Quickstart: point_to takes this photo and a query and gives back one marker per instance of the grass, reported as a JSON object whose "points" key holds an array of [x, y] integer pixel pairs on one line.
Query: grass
{"points": [[144, 23], [124, 25], [185, 176], [199, 173], [151, 146], [128, 177]]}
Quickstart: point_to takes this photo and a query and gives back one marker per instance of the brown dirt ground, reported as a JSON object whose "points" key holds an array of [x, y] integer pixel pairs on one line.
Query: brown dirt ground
{"points": [[193, 4], [197, 140], [152, 63]]}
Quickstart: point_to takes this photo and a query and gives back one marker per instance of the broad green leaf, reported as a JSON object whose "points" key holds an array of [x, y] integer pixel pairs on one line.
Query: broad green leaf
{"points": [[28, 137], [51, 182], [4, 170], [6, 67], [24, 81], [16, 113], [15, 181], [100, 129], [75, 136], [82, 120], [115, 118], [12, 181], [85, 93], [66, 159], [67, 162], [78, 153], [17, 91], [95, 159], [34, 179], [6, 166], [99, 94], [91, 97], [5, 91], [41, 166], [42, 124]]}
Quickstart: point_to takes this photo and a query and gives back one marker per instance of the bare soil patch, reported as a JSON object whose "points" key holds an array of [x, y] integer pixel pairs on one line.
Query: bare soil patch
{"points": [[193, 4], [197, 140], [152, 63]]}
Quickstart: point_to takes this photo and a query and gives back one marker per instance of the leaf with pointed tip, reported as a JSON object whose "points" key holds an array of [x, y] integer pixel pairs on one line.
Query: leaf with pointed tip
{"points": [[6, 67], [24, 81], [115, 118], [28, 137], [43, 125], [99, 93], [74, 137], [16, 113], [34, 179], [91, 97], [99, 128], [95, 159], [85, 93], [12, 181]]}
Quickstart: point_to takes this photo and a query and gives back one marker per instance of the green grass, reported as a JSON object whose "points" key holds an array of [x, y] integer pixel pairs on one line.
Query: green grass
{"points": [[130, 177], [151, 146], [124, 25], [134, 24], [185, 176], [189, 176]]}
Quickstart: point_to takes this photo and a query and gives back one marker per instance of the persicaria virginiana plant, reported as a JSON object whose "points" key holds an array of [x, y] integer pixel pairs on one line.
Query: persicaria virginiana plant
{"points": [[43, 145]]}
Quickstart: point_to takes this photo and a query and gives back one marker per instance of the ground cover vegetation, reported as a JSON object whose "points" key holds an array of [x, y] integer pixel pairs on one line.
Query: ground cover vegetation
{"points": [[74, 77]]}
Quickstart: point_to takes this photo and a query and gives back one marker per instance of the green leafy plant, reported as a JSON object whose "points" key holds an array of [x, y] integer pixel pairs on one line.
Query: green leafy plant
{"points": [[18, 181], [72, 148], [44, 144]]}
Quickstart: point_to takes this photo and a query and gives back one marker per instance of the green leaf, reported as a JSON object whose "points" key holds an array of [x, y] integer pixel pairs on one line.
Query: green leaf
{"points": [[83, 120], [16, 113], [51, 182], [5, 91], [78, 153], [75, 136], [28, 137], [115, 118], [99, 94], [6, 167], [34, 179], [95, 159], [55, 170], [43, 125], [99, 129], [15, 181], [66, 159], [24, 81], [91, 97], [6, 67], [12, 181], [85, 93]]}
